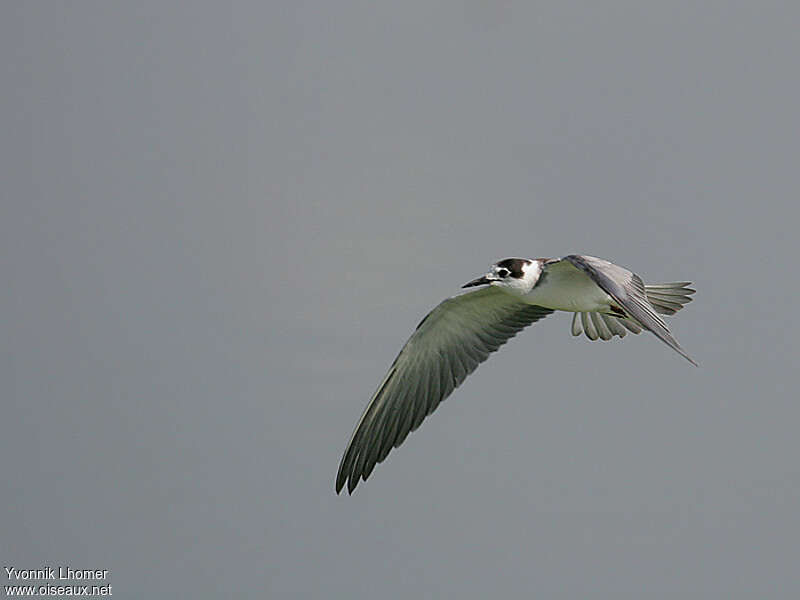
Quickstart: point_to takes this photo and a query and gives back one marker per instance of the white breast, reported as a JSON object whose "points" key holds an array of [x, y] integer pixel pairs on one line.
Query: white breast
{"points": [[568, 289]]}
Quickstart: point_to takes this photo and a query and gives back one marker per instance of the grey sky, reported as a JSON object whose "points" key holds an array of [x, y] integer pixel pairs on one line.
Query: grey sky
{"points": [[219, 225]]}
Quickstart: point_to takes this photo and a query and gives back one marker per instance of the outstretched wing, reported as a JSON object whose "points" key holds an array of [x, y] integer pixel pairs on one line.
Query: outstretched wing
{"points": [[449, 344], [628, 290]]}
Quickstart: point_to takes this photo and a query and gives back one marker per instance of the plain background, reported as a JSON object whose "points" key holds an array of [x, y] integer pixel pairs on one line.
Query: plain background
{"points": [[220, 223]]}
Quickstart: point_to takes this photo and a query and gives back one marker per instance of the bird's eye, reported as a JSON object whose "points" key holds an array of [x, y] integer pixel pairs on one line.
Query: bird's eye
{"points": [[503, 272]]}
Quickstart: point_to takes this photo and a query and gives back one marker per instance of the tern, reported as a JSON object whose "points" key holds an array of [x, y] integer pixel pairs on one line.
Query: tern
{"points": [[461, 332]]}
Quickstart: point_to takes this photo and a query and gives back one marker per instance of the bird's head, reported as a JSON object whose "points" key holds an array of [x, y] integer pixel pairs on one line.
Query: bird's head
{"points": [[515, 274]]}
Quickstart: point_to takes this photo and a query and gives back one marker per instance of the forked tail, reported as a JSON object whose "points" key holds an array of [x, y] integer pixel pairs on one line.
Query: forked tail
{"points": [[665, 298]]}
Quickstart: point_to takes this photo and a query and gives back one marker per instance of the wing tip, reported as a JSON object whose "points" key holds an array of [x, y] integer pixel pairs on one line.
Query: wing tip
{"points": [[673, 343], [351, 482]]}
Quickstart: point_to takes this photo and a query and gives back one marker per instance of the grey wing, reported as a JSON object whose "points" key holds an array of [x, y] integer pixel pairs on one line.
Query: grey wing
{"points": [[449, 344], [628, 290]]}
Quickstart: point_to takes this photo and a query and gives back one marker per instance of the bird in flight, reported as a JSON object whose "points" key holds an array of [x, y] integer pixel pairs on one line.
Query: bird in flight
{"points": [[461, 332]]}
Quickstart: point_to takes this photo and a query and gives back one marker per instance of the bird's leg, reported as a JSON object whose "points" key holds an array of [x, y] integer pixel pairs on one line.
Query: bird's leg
{"points": [[617, 311]]}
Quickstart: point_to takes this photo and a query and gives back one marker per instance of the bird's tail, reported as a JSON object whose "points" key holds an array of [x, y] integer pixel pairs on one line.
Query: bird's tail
{"points": [[665, 298], [669, 298]]}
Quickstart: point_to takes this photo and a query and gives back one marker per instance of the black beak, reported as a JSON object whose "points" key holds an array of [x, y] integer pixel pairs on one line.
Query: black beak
{"points": [[478, 281]]}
